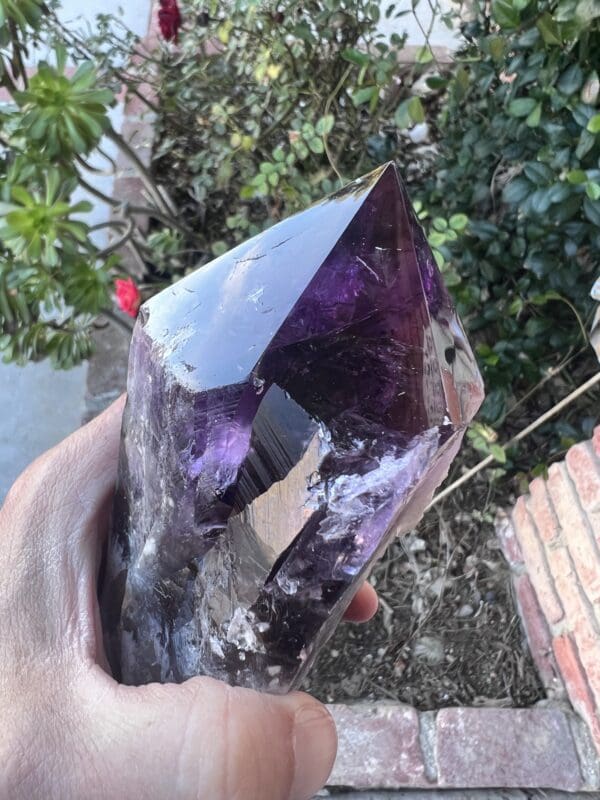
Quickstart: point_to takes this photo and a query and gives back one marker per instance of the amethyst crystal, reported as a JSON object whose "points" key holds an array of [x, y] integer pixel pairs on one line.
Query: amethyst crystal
{"points": [[291, 405]]}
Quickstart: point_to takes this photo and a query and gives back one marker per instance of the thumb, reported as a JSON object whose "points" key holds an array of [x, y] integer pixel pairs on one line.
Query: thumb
{"points": [[204, 739]]}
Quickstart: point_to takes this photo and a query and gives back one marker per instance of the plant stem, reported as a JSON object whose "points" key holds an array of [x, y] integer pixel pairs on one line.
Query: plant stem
{"points": [[120, 242], [148, 211], [158, 196], [328, 103], [94, 170]]}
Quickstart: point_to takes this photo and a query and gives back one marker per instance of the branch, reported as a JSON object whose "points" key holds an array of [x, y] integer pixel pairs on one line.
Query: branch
{"points": [[328, 103], [114, 246], [94, 170], [566, 401], [148, 211], [157, 195]]}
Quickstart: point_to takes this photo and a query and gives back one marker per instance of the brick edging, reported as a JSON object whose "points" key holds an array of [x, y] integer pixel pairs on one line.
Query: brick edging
{"points": [[392, 746], [552, 543]]}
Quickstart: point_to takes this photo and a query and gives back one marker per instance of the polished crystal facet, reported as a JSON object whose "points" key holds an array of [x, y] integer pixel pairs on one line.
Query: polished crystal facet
{"points": [[290, 406]]}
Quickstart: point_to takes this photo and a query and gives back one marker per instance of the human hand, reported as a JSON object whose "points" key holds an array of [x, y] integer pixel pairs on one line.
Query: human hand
{"points": [[69, 731]]}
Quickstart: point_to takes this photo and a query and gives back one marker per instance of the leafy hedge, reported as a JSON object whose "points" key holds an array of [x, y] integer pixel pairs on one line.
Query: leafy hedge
{"points": [[300, 99], [519, 154]]}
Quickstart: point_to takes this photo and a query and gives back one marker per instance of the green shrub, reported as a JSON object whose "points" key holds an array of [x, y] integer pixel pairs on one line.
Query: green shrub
{"points": [[295, 102], [519, 155], [298, 100]]}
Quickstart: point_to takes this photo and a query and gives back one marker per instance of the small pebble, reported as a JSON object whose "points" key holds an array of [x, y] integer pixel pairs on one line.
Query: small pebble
{"points": [[465, 611], [419, 133], [417, 545]]}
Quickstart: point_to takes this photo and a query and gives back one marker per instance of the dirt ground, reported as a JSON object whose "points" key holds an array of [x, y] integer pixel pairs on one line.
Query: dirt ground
{"points": [[447, 631]]}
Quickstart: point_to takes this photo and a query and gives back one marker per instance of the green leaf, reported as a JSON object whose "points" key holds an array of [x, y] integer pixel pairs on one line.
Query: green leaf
{"points": [[592, 190], [364, 95], [505, 14], [316, 145], [436, 82], [571, 80], [516, 191], [587, 141], [402, 116], [576, 176], [459, 222], [497, 46], [533, 120], [354, 56], [439, 258], [593, 125], [549, 29], [436, 239], [219, 248], [325, 125], [521, 107], [22, 196], [516, 307], [540, 174], [498, 452], [416, 110], [591, 209]]}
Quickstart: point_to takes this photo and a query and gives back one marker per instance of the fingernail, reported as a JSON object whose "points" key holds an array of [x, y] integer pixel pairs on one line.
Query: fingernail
{"points": [[315, 746]]}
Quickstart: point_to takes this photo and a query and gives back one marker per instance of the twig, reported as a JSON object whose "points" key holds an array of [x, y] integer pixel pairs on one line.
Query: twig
{"points": [[593, 381], [553, 372]]}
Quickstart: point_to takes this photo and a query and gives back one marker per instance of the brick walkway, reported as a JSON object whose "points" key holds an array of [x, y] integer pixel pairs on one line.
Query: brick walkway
{"points": [[389, 746]]}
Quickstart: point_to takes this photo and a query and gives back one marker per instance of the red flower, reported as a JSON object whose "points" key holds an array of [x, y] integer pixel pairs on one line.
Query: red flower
{"points": [[169, 20], [129, 298]]}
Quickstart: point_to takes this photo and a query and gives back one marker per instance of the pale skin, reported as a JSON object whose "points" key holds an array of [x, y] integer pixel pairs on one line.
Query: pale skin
{"points": [[68, 730]]}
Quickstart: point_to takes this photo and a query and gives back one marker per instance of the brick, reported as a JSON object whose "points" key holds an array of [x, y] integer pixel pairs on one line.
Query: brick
{"points": [[130, 190], [535, 560], [138, 132], [596, 441], [378, 747], [541, 510], [538, 635], [584, 469], [512, 748], [577, 684], [135, 106], [579, 617], [577, 533], [505, 531]]}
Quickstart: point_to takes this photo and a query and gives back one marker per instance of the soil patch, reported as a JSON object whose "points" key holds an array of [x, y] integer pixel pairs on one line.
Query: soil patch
{"points": [[447, 632]]}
